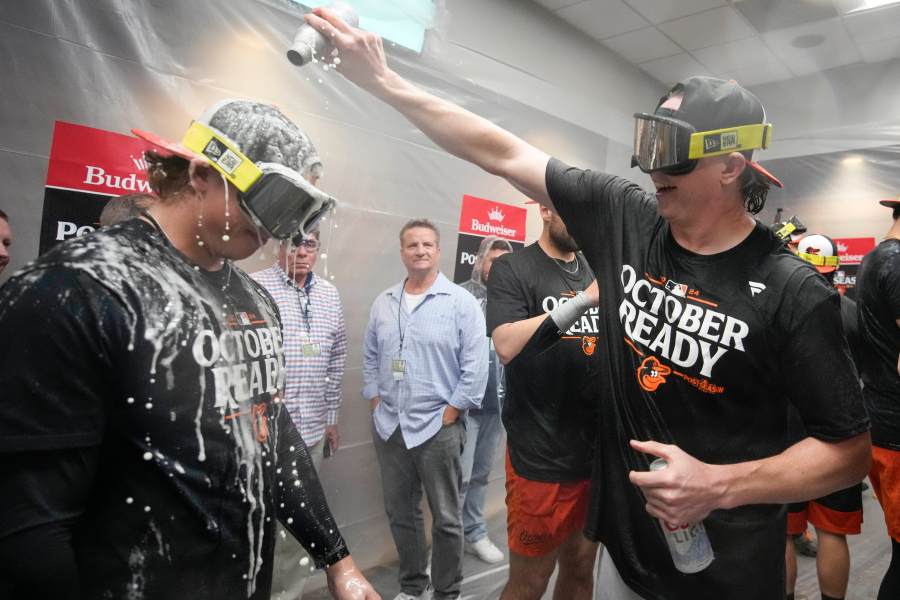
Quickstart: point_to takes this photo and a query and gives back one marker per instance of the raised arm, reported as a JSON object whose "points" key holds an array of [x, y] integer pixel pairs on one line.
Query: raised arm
{"points": [[458, 131]]}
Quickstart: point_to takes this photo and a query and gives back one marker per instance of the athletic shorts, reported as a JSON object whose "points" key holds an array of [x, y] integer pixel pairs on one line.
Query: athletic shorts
{"points": [[541, 515], [839, 512], [885, 478]]}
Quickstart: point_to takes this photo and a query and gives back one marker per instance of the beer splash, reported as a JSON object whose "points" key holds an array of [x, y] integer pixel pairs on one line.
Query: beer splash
{"points": [[141, 271]]}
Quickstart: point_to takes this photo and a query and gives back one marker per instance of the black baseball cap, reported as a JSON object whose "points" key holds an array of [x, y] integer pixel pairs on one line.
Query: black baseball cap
{"points": [[890, 203], [710, 104]]}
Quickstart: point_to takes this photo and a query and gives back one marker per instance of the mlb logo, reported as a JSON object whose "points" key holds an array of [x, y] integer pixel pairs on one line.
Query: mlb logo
{"points": [[678, 289], [243, 318]]}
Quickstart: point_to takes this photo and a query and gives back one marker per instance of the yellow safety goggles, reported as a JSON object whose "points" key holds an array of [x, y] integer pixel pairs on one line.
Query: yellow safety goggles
{"points": [[673, 146], [276, 197], [820, 261]]}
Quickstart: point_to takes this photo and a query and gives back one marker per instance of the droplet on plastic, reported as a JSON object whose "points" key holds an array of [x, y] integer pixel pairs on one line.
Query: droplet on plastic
{"points": [[146, 509], [148, 406], [290, 520], [148, 456], [304, 561], [129, 500], [129, 400], [337, 61]]}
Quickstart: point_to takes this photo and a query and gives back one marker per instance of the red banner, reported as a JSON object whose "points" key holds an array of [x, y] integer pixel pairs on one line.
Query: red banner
{"points": [[97, 161], [485, 217], [87, 166], [852, 250]]}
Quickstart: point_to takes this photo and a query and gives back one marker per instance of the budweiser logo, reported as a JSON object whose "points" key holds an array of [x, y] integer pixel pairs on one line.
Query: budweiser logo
{"points": [[97, 176], [496, 214], [492, 229], [841, 247]]}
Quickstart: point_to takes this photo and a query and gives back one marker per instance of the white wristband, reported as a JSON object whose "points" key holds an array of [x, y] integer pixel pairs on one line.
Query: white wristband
{"points": [[567, 313]]}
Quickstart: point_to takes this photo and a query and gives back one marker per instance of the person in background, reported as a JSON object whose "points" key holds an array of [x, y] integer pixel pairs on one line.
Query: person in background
{"points": [[315, 352], [878, 303], [6, 238], [840, 513], [550, 412], [425, 364], [483, 426], [122, 208]]}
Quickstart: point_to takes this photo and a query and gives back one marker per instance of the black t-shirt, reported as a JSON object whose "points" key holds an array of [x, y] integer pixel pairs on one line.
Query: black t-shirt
{"points": [[705, 352], [115, 341], [878, 298], [548, 411], [850, 323]]}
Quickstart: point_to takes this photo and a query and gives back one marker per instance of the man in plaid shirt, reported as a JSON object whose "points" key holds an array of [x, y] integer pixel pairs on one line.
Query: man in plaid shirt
{"points": [[315, 352]]}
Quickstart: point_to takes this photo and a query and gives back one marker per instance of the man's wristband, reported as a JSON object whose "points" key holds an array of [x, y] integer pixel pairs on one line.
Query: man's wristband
{"points": [[567, 313]]}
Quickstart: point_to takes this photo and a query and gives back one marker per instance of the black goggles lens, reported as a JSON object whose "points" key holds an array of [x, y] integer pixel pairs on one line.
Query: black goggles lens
{"points": [[283, 207]]}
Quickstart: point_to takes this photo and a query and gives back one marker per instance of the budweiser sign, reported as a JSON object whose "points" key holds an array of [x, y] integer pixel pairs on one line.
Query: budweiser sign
{"points": [[852, 250], [485, 217]]}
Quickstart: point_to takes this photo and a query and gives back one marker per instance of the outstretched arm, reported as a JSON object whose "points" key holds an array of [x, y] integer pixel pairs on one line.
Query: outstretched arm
{"points": [[458, 131]]}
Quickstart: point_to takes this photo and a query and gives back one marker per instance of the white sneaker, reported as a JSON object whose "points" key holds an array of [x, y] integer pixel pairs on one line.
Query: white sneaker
{"points": [[428, 594], [485, 550]]}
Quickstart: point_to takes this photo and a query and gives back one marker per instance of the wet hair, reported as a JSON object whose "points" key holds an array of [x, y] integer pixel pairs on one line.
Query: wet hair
{"points": [[122, 208], [5, 217], [754, 188], [499, 245], [413, 223], [167, 175]]}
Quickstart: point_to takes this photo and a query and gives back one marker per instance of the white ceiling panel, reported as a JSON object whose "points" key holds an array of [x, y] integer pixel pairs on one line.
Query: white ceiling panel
{"points": [[603, 18], [759, 73], [709, 28], [657, 11], [835, 50], [735, 55], [672, 69], [874, 25], [880, 50], [642, 45]]}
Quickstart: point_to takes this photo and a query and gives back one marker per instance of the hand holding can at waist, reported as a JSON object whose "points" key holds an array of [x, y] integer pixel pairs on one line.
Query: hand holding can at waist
{"points": [[680, 491]]}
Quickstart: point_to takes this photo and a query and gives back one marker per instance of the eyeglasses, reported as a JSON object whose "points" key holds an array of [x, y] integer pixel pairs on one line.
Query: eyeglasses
{"points": [[310, 243]]}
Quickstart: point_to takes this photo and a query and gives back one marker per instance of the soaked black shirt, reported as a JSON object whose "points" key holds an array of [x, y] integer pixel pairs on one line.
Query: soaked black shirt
{"points": [[705, 352], [878, 301], [549, 410], [154, 387]]}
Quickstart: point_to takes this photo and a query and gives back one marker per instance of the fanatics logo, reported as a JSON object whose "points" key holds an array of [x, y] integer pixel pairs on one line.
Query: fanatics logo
{"points": [[756, 287], [496, 214]]}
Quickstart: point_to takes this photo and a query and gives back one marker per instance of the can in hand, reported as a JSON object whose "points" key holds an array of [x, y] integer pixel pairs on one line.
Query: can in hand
{"points": [[688, 543]]}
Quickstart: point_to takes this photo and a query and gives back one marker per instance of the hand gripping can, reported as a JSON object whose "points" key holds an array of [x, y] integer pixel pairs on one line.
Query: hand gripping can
{"points": [[688, 543]]}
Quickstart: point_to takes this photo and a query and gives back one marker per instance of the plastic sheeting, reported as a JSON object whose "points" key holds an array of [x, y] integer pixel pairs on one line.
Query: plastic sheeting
{"points": [[155, 64]]}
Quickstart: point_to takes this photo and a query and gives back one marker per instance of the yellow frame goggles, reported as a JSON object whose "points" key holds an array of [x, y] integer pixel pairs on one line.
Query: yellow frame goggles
{"points": [[820, 261], [731, 139], [223, 155]]}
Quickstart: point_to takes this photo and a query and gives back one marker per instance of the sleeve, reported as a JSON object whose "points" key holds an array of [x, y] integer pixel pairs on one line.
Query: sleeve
{"points": [[43, 494], [336, 363], [370, 356], [62, 333], [473, 356], [891, 285], [818, 372], [301, 503], [506, 298], [598, 208]]}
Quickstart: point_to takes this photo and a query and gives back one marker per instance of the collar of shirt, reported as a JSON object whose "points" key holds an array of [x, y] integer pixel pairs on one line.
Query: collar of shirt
{"points": [[289, 281], [441, 285]]}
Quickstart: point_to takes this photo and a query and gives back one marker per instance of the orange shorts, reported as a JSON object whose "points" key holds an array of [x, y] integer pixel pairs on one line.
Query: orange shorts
{"points": [[885, 478], [540, 515]]}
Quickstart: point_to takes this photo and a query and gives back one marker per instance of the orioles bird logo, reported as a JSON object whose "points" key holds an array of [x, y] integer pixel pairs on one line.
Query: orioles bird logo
{"points": [[589, 344], [652, 373]]}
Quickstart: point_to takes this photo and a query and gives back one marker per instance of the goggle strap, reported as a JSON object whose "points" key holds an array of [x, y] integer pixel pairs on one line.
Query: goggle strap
{"points": [[820, 261], [223, 155], [730, 139]]}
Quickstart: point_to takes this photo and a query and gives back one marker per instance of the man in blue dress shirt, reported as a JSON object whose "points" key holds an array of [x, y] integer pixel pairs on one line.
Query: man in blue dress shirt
{"points": [[425, 364]]}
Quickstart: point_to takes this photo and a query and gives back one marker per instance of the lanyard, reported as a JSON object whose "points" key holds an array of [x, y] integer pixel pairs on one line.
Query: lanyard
{"points": [[400, 330], [304, 292]]}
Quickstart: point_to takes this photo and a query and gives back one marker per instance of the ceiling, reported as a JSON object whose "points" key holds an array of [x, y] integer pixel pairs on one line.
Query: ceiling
{"points": [[751, 41]]}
